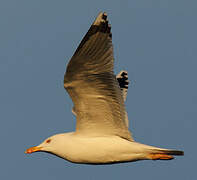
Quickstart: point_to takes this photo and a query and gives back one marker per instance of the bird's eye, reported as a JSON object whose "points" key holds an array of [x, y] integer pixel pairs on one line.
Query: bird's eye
{"points": [[48, 140]]}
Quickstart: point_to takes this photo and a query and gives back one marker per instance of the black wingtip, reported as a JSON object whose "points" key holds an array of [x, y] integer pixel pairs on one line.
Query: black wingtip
{"points": [[101, 24], [105, 16], [174, 152], [177, 153], [123, 79]]}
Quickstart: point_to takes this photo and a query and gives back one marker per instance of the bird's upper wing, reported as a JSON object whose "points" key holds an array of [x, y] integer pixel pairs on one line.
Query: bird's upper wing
{"points": [[92, 85], [122, 78]]}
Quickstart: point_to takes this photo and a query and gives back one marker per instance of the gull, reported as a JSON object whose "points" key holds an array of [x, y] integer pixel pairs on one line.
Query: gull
{"points": [[102, 133]]}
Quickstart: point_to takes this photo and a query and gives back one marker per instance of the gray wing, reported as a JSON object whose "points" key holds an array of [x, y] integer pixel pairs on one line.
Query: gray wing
{"points": [[92, 85], [122, 78]]}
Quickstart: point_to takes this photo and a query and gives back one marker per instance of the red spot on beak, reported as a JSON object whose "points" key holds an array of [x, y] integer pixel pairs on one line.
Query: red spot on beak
{"points": [[33, 149]]}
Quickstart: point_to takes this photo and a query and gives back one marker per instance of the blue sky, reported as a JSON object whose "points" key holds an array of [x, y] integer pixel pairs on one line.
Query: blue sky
{"points": [[154, 40]]}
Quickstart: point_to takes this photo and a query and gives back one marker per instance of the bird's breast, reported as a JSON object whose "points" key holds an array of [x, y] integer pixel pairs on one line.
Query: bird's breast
{"points": [[96, 150]]}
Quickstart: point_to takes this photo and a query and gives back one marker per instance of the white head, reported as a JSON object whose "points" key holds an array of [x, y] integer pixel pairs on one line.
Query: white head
{"points": [[52, 145]]}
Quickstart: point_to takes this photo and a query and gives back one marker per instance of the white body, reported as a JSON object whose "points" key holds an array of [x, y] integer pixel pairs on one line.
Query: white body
{"points": [[97, 150]]}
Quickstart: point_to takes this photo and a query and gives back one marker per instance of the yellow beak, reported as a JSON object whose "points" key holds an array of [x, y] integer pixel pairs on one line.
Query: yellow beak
{"points": [[33, 149]]}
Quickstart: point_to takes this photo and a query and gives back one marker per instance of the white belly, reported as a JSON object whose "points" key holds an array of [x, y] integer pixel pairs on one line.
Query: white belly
{"points": [[109, 149]]}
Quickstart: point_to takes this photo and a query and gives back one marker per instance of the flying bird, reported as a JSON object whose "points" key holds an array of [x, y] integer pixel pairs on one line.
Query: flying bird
{"points": [[102, 135]]}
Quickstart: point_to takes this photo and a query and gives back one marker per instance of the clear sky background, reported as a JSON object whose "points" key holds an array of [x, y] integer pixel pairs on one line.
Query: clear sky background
{"points": [[154, 40]]}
